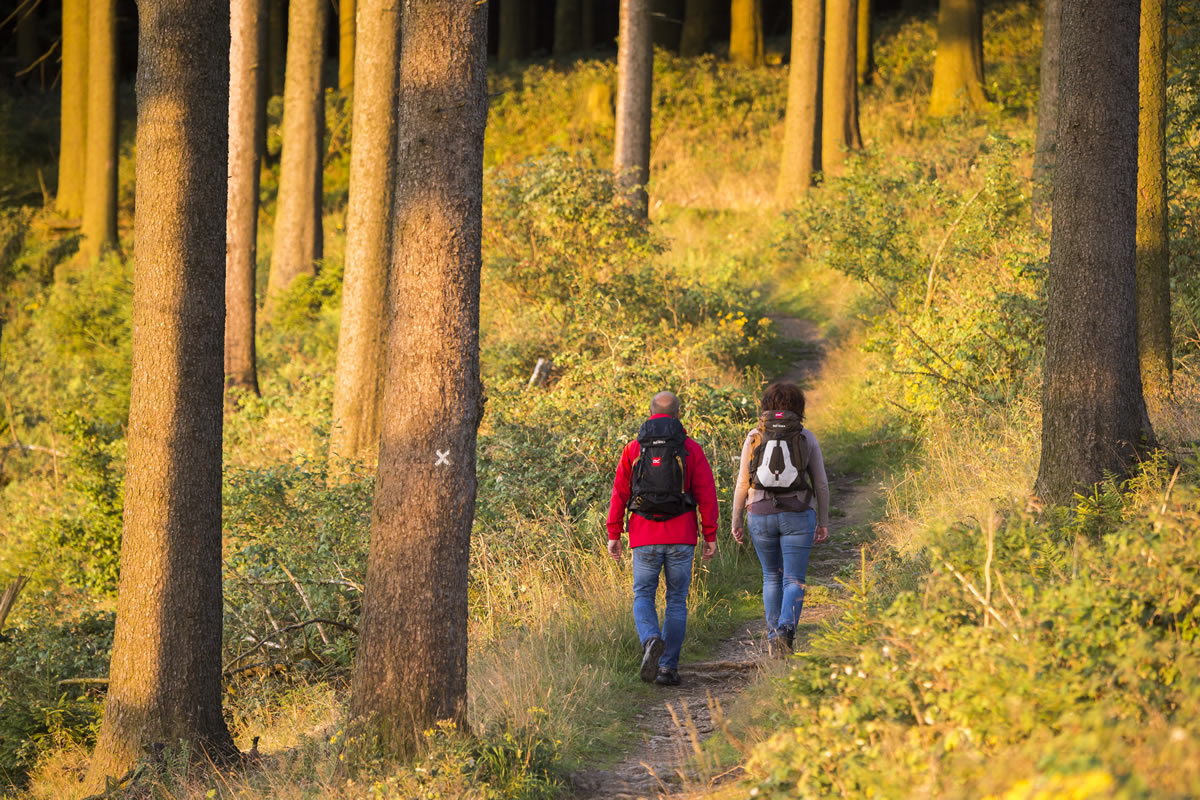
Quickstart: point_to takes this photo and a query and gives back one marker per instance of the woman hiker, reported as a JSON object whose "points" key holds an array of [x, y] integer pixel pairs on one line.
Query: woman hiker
{"points": [[780, 473]]}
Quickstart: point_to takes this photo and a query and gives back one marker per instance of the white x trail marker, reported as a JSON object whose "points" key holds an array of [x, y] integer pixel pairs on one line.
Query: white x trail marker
{"points": [[442, 458]]}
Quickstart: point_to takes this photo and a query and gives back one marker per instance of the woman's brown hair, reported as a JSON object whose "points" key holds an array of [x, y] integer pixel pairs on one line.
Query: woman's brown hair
{"points": [[784, 396]]}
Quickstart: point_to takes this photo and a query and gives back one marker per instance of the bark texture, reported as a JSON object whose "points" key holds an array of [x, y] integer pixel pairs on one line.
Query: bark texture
{"points": [[247, 120], [513, 41], [1047, 123], [298, 238], [99, 227], [635, 76], [958, 67], [746, 33], [165, 675], [1153, 273], [839, 90], [368, 234], [568, 27], [800, 156], [73, 129], [346, 44], [411, 664], [1093, 416], [864, 54], [699, 19]]}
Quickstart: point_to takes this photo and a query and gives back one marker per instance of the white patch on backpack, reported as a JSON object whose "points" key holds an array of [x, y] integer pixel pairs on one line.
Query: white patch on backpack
{"points": [[789, 473]]}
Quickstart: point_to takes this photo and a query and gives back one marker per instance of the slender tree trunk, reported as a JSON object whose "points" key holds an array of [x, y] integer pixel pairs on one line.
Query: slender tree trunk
{"points": [[73, 130], [804, 90], [276, 46], [411, 666], [568, 27], [165, 676], [100, 162], [1153, 274], [1047, 124], [298, 237], [635, 75], [864, 54], [513, 40], [958, 66], [839, 91], [246, 123], [699, 19], [746, 33], [368, 228], [1093, 416], [346, 42]]}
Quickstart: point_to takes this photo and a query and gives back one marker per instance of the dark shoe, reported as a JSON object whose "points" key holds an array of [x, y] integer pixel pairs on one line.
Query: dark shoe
{"points": [[652, 652], [667, 677], [789, 636]]}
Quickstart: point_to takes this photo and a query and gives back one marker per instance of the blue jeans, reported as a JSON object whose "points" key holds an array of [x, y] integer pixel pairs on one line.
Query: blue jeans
{"points": [[783, 542], [675, 560]]}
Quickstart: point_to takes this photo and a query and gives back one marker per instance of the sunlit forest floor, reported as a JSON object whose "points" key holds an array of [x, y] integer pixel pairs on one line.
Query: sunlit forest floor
{"points": [[979, 645]]}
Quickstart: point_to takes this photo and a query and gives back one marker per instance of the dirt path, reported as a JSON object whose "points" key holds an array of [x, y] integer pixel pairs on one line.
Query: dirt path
{"points": [[673, 728]]}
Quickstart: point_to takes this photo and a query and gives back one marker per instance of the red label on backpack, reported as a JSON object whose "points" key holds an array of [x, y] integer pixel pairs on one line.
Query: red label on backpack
{"points": [[778, 415], [656, 462]]}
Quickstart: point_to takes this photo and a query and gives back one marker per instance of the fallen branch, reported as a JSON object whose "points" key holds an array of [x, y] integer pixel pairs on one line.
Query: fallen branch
{"points": [[83, 682], [975, 592], [720, 665], [294, 626], [937, 255]]}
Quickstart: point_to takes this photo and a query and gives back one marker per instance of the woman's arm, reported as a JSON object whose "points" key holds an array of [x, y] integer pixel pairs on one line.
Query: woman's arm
{"points": [[820, 482], [743, 485]]}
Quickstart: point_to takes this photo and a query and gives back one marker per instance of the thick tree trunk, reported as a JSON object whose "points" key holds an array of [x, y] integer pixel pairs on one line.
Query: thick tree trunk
{"points": [[568, 27], [298, 238], [666, 23], [746, 33], [635, 76], [839, 90], [1093, 416], [800, 155], [276, 46], [246, 123], [958, 66], [73, 130], [864, 55], [346, 43], [1047, 123], [699, 19], [368, 228], [100, 162], [513, 37], [165, 675], [411, 665], [1153, 274]]}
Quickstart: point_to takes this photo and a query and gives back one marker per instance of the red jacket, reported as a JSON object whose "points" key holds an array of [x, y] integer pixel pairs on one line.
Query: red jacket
{"points": [[678, 530]]}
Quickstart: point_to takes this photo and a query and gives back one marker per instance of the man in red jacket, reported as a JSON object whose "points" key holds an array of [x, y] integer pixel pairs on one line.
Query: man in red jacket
{"points": [[663, 478]]}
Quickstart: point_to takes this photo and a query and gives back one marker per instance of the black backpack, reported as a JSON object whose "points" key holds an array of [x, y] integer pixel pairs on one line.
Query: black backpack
{"points": [[660, 472], [779, 463]]}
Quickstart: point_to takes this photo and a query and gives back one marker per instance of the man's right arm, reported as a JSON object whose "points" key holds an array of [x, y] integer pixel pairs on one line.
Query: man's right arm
{"points": [[620, 493]]}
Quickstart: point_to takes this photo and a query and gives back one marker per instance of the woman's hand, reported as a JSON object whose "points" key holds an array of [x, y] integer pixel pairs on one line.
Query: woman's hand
{"points": [[739, 534], [822, 534]]}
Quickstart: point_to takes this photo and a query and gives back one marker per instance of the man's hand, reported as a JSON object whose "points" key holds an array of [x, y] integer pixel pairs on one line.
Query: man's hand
{"points": [[739, 534], [710, 550], [822, 534], [614, 549]]}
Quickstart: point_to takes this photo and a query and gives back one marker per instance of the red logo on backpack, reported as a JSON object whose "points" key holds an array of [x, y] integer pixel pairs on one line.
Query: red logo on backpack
{"points": [[778, 415], [656, 462]]}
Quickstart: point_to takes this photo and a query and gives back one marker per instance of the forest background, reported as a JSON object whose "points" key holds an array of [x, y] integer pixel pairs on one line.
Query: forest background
{"points": [[925, 273]]}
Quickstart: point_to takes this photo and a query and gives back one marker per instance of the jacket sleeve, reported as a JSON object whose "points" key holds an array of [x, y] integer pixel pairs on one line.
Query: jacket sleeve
{"points": [[621, 490], [704, 489]]}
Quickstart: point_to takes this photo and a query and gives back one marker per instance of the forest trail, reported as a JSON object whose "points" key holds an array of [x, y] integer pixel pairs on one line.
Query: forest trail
{"points": [[671, 730]]}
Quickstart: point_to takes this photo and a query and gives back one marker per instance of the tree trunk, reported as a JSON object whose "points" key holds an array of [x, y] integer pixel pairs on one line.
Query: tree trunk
{"points": [[666, 23], [298, 237], [514, 39], [411, 665], [165, 674], [699, 19], [865, 57], [1047, 124], [368, 227], [804, 90], [587, 24], [346, 42], [73, 129], [839, 91], [276, 46], [958, 66], [1093, 416], [746, 33], [1153, 273], [246, 123], [635, 75], [568, 27], [100, 162]]}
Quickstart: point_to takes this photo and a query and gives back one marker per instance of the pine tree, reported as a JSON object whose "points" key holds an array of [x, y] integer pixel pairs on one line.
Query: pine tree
{"points": [[958, 66], [635, 75], [746, 33], [100, 160], [839, 86], [73, 131], [800, 155]]}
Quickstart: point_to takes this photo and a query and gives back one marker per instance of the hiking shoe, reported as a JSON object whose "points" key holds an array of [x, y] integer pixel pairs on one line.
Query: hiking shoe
{"points": [[667, 677], [788, 633], [650, 655]]}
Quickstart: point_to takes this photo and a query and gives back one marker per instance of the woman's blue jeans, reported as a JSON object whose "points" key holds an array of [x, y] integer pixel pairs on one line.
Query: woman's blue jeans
{"points": [[783, 543], [675, 561]]}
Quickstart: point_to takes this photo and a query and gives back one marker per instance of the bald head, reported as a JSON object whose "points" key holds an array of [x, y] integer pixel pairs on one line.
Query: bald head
{"points": [[664, 403]]}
